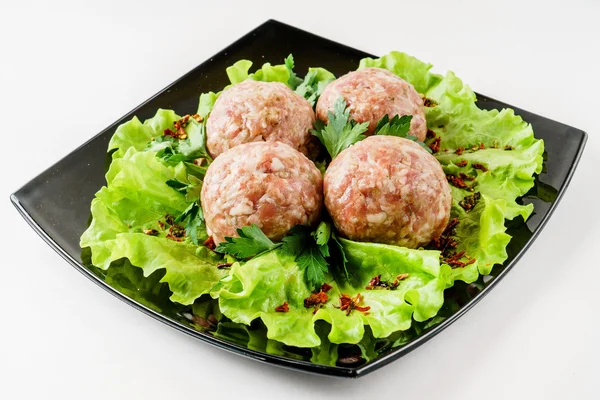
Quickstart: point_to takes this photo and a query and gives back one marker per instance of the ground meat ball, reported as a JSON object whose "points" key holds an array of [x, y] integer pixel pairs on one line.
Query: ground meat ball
{"points": [[254, 111], [264, 183], [372, 93], [387, 189]]}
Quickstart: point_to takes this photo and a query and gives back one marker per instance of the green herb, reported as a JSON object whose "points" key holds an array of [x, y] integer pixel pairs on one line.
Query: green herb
{"points": [[195, 220], [309, 251], [314, 83], [341, 132], [398, 126], [251, 241], [293, 81]]}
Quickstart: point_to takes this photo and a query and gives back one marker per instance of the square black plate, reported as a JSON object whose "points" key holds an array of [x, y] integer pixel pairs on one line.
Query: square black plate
{"points": [[57, 202]]}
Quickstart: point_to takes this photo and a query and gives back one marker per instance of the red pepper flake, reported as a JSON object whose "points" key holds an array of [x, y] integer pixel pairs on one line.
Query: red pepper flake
{"points": [[435, 145], [197, 118], [453, 261], [377, 284], [199, 161], [348, 304], [429, 103], [466, 177], [480, 167], [430, 134], [481, 146], [210, 243], [283, 308], [458, 182], [402, 277], [462, 163], [470, 201], [316, 299], [224, 265], [169, 132], [326, 287], [459, 151], [150, 232], [446, 242], [175, 238], [161, 224]]}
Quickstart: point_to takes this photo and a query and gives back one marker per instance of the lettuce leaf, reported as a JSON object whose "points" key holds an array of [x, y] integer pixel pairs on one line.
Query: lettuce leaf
{"points": [[136, 199], [137, 135], [314, 84], [256, 288], [494, 152]]}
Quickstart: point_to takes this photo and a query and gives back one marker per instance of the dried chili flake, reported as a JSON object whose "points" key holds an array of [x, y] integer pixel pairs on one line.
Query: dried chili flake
{"points": [[224, 265], [199, 161], [377, 284], [459, 151], [326, 287], [161, 224], [435, 145], [481, 146], [402, 277], [466, 177], [316, 299], [480, 167], [176, 232], [197, 118], [430, 134], [169, 132], [169, 219], [462, 163], [348, 304], [283, 308], [454, 260], [151, 232], [429, 103], [210, 243], [446, 242], [457, 182], [470, 201]]}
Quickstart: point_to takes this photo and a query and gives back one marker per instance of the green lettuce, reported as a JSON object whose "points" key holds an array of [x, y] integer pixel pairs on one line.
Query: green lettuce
{"points": [[135, 200], [137, 135], [495, 151], [256, 288]]}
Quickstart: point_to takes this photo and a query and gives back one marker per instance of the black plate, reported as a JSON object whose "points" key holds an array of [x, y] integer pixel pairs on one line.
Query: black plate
{"points": [[57, 203]]}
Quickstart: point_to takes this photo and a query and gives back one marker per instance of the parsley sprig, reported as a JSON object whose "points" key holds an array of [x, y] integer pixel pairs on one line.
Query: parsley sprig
{"points": [[340, 132], [398, 126], [310, 249], [251, 242]]}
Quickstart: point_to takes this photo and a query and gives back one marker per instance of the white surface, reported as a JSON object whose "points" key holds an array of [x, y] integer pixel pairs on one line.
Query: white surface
{"points": [[68, 71]]}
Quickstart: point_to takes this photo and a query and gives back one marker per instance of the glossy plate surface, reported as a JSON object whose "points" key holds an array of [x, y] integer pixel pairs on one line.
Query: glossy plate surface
{"points": [[57, 205]]}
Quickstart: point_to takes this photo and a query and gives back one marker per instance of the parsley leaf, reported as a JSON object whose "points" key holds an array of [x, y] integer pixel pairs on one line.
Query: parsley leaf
{"points": [[342, 259], [195, 220], [398, 126], [251, 241], [322, 236], [293, 81], [314, 84], [315, 266], [341, 132], [309, 250]]}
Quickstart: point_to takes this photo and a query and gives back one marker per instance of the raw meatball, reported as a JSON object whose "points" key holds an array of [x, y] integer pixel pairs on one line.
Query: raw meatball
{"points": [[387, 189], [372, 93], [254, 111], [264, 183]]}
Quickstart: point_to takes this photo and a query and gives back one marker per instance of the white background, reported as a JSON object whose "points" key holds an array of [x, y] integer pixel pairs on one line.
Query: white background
{"points": [[69, 70]]}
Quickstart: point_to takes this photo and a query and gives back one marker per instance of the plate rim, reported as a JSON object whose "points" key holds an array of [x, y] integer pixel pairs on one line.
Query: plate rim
{"points": [[288, 363]]}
